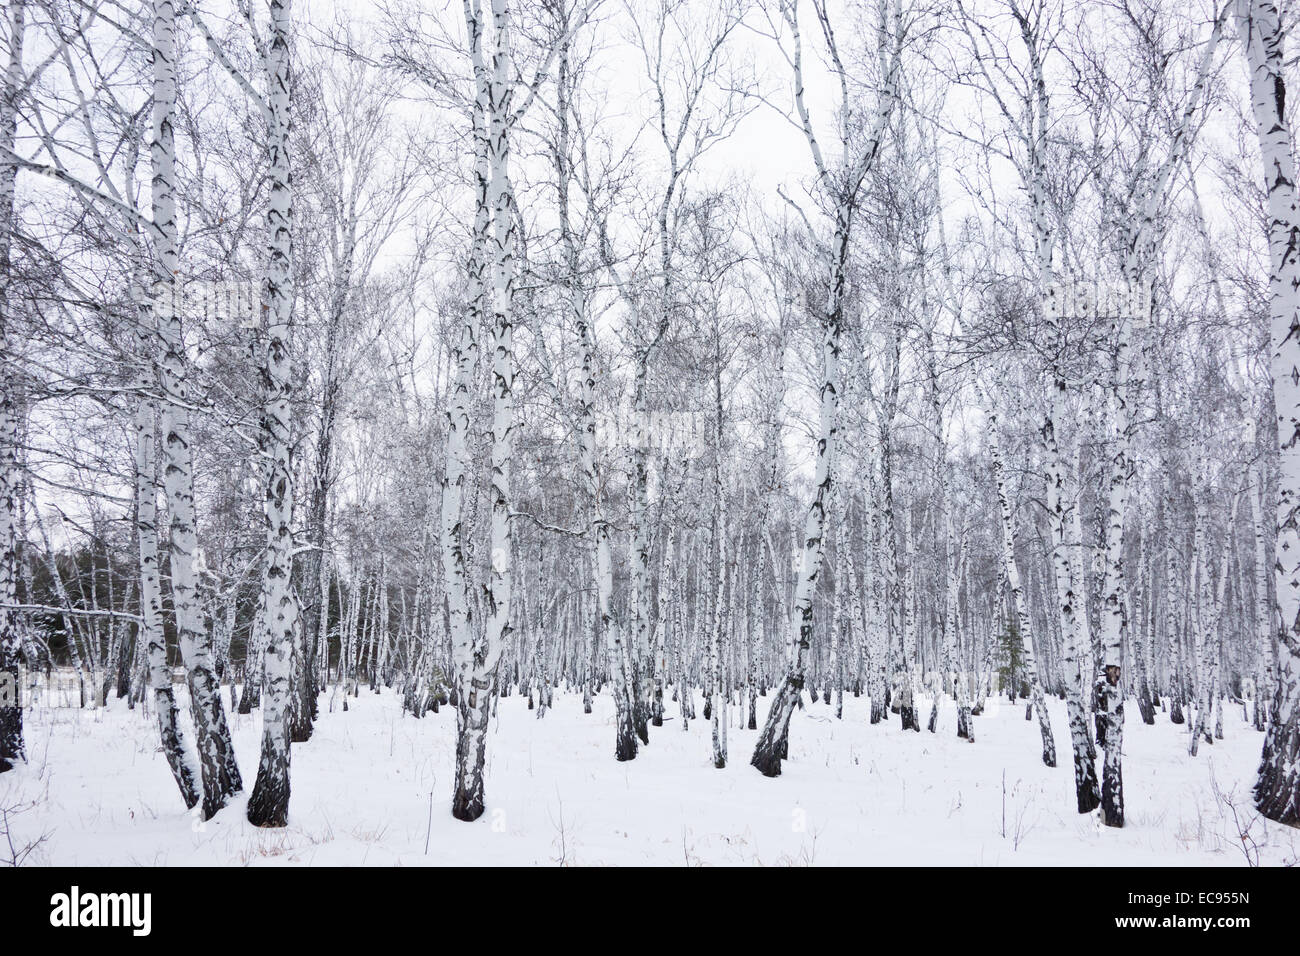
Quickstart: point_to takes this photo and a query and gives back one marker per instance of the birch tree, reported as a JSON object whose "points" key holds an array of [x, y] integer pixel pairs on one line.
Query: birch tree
{"points": [[12, 748], [1277, 790], [220, 773], [699, 97], [1149, 190], [269, 803], [839, 182], [611, 623], [1023, 620], [494, 112]]}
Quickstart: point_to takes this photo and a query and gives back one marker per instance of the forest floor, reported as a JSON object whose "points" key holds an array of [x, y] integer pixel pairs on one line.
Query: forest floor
{"points": [[373, 786]]}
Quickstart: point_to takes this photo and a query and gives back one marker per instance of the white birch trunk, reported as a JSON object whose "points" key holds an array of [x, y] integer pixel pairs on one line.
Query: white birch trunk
{"points": [[220, 773], [1277, 790], [771, 748], [151, 636], [841, 187], [477, 662], [1203, 631], [11, 713], [611, 625], [1023, 619], [268, 806], [1263, 609]]}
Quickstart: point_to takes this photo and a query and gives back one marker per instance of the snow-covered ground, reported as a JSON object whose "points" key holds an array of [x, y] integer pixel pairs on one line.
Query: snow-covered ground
{"points": [[373, 787]]}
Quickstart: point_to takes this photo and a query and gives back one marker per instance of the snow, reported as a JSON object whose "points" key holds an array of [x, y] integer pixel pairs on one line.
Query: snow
{"points": [[373, 787]]}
